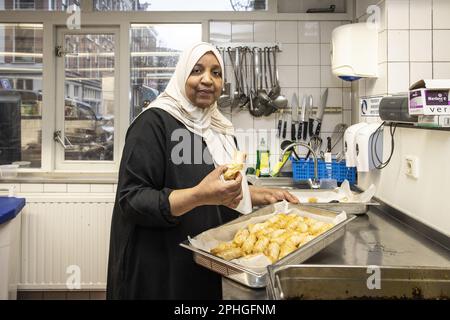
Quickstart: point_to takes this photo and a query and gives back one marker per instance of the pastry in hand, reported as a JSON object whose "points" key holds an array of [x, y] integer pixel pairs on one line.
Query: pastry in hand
{"points": [[236, 166]]}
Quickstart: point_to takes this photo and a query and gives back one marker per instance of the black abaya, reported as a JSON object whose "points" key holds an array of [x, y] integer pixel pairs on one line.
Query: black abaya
{"points": [[145, 259]]}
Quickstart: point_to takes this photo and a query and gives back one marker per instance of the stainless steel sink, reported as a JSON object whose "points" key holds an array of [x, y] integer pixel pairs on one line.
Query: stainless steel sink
{"points": [[356, 282]]}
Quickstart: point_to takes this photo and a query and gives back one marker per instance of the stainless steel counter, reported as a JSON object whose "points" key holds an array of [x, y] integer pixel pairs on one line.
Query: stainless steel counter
{"points": [[372, 239]]}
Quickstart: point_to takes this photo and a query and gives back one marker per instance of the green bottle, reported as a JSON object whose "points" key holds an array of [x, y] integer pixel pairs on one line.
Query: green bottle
{"points": [[262, 160]]}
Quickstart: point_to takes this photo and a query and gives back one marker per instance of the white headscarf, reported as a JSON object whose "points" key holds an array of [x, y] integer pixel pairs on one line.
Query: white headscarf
{"points": [[209, 123]]}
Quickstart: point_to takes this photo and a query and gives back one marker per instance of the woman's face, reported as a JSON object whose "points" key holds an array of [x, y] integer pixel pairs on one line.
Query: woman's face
{"points": [[204, 84]]}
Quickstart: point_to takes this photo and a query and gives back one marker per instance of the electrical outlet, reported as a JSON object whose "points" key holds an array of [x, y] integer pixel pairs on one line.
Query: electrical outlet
{"points": [[411, 166]]}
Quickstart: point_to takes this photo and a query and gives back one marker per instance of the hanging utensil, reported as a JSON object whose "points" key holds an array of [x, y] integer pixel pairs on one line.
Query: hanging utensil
{"points": [[321, 111], [316, 140], [294, 116], [243, 99], [257, 109], [262, 94], [310, 118], [270, 105], [301, 120], [245, 80], [338, 133], [279, 101], [234, 61], [224, 100], [306, 119], [280, 123], [276, 89]]}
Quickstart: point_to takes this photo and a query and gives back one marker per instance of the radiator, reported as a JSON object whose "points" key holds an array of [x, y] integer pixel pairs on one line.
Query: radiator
{"points": [[65, 242]]}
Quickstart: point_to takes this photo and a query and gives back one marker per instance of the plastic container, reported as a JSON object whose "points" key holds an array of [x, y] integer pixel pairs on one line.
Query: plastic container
{"points": [[263, 160], [304, 169], [8, 171], [10, 230]]}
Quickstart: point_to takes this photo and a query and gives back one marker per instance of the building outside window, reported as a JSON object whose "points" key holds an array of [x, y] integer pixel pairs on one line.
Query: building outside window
{"points": [[155, 49], [20, 93]]}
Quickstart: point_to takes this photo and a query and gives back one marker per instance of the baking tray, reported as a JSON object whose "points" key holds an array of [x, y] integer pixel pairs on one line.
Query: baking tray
{"points": [[253, 279], [354, 208], [307, 282]]}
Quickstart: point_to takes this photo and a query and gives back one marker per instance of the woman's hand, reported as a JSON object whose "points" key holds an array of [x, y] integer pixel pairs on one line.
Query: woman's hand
{"points": [[214, 191], [264, 196]]}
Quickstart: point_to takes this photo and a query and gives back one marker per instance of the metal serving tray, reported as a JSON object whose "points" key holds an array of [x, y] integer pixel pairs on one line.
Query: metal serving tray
{"points": [[353, 282], [254, 279], [355, 208]]}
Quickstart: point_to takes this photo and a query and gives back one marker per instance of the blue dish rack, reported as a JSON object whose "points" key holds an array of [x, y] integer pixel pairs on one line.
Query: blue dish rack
{"points": [[304, 169]]}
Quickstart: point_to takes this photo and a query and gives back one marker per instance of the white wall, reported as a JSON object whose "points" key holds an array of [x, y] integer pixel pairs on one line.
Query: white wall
{"points": [[414, 44]]}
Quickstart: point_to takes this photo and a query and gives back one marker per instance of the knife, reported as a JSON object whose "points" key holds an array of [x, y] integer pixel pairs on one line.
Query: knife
{"points": [[301, 118], [293, 131], [320, 111], [280, 124], [310, 119], [305, 116], [294, 116]]}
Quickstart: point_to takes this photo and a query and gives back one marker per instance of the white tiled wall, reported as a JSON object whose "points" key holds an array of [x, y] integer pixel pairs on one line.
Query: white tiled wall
{"points": [[416, 45], [304, 69]]}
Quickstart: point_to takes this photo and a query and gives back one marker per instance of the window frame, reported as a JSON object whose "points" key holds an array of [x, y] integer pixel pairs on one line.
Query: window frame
{"points": [[59, 157]]}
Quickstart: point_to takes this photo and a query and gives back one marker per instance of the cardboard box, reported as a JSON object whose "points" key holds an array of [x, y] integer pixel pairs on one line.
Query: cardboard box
{"points": [[429, 97]]}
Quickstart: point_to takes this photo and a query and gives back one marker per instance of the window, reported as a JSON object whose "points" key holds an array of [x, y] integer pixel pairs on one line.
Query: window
{"points": [[87, 99], [23, 44], [20, 93], [36, 4], [24, 4], [179, 5], [154, 54]]}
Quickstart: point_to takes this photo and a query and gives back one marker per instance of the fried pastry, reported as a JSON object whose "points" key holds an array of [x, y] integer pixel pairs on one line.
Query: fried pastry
{"points": [[241, 236], [275, 238], [231, 254], [247, 246], [236, 166], [261, 244], [222, 247]]}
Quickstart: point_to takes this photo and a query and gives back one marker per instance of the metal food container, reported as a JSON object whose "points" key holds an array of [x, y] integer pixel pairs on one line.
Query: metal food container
{"points": [[291, 282], [254, 279], [355, 208]]}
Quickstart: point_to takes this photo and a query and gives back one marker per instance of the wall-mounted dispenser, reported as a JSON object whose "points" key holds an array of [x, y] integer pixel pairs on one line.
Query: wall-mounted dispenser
{"points": [[354, 51], [349, 143], [369, 147]]}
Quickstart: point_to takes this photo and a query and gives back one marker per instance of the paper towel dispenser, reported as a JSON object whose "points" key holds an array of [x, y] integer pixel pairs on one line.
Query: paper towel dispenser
{"points": [[354, 51]]}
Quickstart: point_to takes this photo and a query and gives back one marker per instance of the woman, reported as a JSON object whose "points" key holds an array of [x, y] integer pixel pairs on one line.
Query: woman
{"points": [[171, 188]]}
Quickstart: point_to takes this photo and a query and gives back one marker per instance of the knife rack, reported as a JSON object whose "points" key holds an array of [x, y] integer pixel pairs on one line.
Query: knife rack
{"points": [[329, 110], [250, 45]]}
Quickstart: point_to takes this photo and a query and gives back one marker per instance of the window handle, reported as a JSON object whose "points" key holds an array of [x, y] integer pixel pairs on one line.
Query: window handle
{"points": [[60, 52], [57, 138]]}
